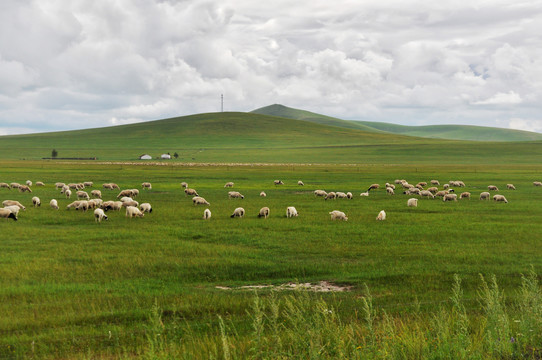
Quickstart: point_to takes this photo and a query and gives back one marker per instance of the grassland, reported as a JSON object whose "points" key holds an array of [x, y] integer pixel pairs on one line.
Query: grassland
{"points": [[71, 288]]}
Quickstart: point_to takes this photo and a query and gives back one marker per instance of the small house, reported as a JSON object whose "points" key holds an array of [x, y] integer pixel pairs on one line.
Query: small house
{"points": [[145, 157], [165, 156]]}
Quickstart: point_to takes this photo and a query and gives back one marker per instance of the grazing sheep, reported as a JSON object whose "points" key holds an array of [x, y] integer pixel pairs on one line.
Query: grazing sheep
{"points": [[96, 193], [130, 203], [434, 182], [446, 186], [82, 195], [135, 192], [340, 195], [145, 207], [36, 201], [492, 188], [349, 195], [127, 192], [422, 184], [441, 193], [364, 194], [99, 215], [263, 194], [28, 183], [264, 212], [111, 205], [78, 205], [397, 181], [390, 191], [373, 187], [68, 193], [412, 202], [64, 189], [381, 215], [184, 185], [510, 187], [484, 196], [320, 193], [465, 195], [291, 212], [406, 185], [413, 190], [278, 182], [330, 195], [450, 197], [7, 214], [338, 215], [59, 185], [198, 200], [40, 183], [235, 195], [300, 183], [537, 183], [190, 192], [433, 190], [14, 185], [206, 214], [95, 203], [125, 199], [14, 209], [74, 186], [228, 184], [132, 211], [500, 198], [419, 187], [54, 204], [13, 202], [426, 193], [88, 184], [108, 186], [388, 185], [24, 188], [5, 185], [238, 212], [146, 185]]}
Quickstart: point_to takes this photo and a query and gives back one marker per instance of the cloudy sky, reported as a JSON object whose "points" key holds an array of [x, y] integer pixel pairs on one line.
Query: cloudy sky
{"points": [[70, 64]]}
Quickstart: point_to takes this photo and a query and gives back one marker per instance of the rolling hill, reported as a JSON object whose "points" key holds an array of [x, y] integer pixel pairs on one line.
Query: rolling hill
{"points": [[451, 132]]}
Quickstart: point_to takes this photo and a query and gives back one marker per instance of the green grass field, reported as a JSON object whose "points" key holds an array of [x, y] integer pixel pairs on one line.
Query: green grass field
{"points": [[72, 288]]}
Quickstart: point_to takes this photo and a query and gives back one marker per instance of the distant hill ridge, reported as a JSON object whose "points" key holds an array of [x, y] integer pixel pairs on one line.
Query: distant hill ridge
{"points": [[450, 132]]}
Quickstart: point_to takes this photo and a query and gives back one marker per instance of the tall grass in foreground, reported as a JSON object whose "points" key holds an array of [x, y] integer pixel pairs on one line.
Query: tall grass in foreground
{"points": [[303, 325]]}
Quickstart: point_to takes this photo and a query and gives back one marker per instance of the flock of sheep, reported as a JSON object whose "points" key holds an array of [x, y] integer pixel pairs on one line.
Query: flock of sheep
{"points": [[126, 198]]}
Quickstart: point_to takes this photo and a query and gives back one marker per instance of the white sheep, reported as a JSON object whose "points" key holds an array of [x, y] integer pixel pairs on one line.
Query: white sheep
{"points": [[191, 192], [54, 204], [510, 187], [228, 184], [264, 212], [40, 183], [492, 188], [78, 205], [198, 200], [68, 193], [381, 215], [426, 193], [263, 194], [434, 182], [484, 196], [184, 185], [500, 198], [446, 186], [64, 188], [238, 212], [441, 193], [28, 183], [390, 191], [95, 203], [96, 193], [88, 184], [449, 197], [36, 201], [24, 188], [125, 199], [14, 209], [13, 202], [99, 215], [349, 195], [7, 214], [338, 215], [146, 185], [422, 184], [464, 195], [433, 190], [300, 183], [278, 182], [126, 193], [364, 194], [330, 195], [5, 185], [291, 212], [537, 183], [145, 207], [82, 195], [412, 202], [112, 205], [235, 195], [59, 185], [14, 185], [132, 211], [340, 195], [130, 203], [206, 214], [320, 193]]}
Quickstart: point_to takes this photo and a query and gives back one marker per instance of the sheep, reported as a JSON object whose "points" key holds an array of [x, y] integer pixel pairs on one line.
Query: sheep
{"points": [[135, 192], [500, 198], [82, 195], [537, 183], [7, 214], [24, 188], [132, 211], [145, 207], [125, 199], [390, 191], [14, 209], [388, 185], [64, 189], [446, 186], [412, 202], [330, 195], [263, 194], [492, 188], [95, 203], [441, 193], [206, 214], [96, 193], [127, 192], [484, 196], [373, 187], [54, 204], [320, 193], [40, 183], [130, 203], [14, 185], [108, 186], [111, 205], [78, 205], [419, 187], [235, 195], [146, 185], [278, 182], [340, 195], [366, 193], [36, 201], [28, 183], [397, 181], [349, 195], [413, 190], [381, 215], [68, 193], [449, 197], [434, 182], [510, 187], [88, 184], [465, 195], [264, 212], [433, 190], [184, 185], [99, 215], [74, 186], [5, 185], [338, 215], [300, 183], [228, 184], [91, 204], [190, 192], [291, 212], [13, 202], [198, 200], [238, 212], [59, 185], [422, 184], [426, 193]]}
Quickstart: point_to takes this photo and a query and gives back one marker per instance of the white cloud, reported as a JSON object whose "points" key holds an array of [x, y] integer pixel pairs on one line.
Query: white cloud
{"points": [[510, 98], [525, 124]]}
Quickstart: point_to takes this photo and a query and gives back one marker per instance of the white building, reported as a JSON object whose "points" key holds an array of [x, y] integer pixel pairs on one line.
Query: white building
{"points": [[165, 156], [145, 157]]}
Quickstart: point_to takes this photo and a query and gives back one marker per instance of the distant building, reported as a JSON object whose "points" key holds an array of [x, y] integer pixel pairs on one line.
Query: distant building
{"points": [[145, 157], [165, 156]]}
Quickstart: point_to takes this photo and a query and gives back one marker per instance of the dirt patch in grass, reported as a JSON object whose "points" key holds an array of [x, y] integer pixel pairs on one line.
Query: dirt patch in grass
{"points": [[322, 286]]}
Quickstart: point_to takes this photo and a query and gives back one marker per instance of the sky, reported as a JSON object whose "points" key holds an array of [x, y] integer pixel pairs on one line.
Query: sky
{"points": [[73, 64]]}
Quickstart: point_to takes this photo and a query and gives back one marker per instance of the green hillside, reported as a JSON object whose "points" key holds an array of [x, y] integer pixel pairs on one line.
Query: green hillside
{"points": [[451, 132]]}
